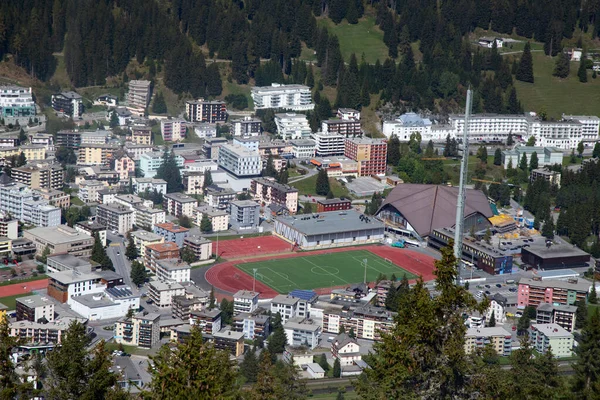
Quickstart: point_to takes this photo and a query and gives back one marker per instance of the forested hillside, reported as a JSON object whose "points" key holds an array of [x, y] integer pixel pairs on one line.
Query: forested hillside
{"points": [[99, 38]]}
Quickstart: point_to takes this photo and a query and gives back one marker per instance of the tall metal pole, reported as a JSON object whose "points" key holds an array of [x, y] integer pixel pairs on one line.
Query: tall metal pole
{"points": [[254, 281], [365, 280], [217, 257], [460, 203]]}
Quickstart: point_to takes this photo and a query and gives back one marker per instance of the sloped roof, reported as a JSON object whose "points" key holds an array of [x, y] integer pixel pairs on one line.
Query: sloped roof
{"points": [[429, 207]]}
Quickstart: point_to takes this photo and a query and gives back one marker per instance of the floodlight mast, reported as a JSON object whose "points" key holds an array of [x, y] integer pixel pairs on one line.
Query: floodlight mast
{"points": [[460, 203]]}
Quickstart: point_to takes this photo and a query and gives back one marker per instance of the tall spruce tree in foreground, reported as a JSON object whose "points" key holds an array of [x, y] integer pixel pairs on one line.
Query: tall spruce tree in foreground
{"points": [[422, 356], [11, 386], [169, 171], [586, 383], [322, 185], [582, 71], [193, 369], [525, 70], [562, 66]]}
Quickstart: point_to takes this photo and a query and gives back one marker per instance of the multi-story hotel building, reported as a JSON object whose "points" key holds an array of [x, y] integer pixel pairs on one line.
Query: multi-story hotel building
{"points": [[292, 126], [371, 155], [173, 130], [246, 126], [206, 111], [16, 101], [239, 160], [268, 191], [69, 103], [46, 176], [533, 292], [291, 97]]}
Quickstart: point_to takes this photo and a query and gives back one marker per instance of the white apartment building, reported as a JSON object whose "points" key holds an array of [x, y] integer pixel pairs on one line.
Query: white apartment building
{"points": [[146, 217], [329, 144], [218, 218], [34, 332], [116, 217], [40, 213], [250, 143], [138, 96], [151, 161], [292, 126], [497, 337], [407, 124], [554, 336], [245, 301], [142, 330], [96, 137], [33, 308], [287, 306], [88, 190], [246, 126], [205, 130], [16, 101], [162, 293], [140, 185], [173, 270], [303, 148], [239, 160], [291, 97], [590, 127], [560, 134], [301, 332], [178, 204], [173, 130], [25, 205]]}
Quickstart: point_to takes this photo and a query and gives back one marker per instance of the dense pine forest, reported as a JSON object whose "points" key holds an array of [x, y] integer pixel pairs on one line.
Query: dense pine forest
{"points": [[99, 38]]}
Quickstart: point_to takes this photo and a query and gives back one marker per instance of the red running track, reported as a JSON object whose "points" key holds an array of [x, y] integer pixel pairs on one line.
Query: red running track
{"points": [[236, 248], [23, 288], [228, 278]]}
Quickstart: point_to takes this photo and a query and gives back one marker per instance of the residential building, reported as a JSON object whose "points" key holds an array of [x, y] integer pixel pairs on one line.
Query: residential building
{"points": [[35, 308], [173, 130], [205, 130], [303, 148], [113, 302], [116, 217], [252, 325], [230, 341], [371, 155], [33, 152], [206, 111], [138, 96], [96, 137], [183, 305], [143, 238], [292, 126], [159, 251], [193, 182], [67, 262], [218, 197], [172, 232], [245, 301], [91, 228], [35, 332], [141, 185], [326, 205], [9, 228], [130, 201], [286, 306], [16, 101], [497, 337], [60, 239], [244, 214], [302, 332], [368, 322], [26, 205], [562, 315], [147, 218], [39, 213], [150, 162], [96, 154], [128, 377], [406, 125], [162, 292], [268, 191], [101, 173], [107, 100], [345, 349], [68, 139], [347, 124], [56, 198], [209, 321], [246, 126], [544, 337], [107, 196], [42, 139], [533, 292], [239, 160], [498, 305], [142, 330], [219, 218], [141, 135], [124, 165], [136, 150], [329, 144], [590, 127], [211, 147], [69, 103], [291, 97], [179, 204], [201, 247], [64, 285], [173, 270], [88, 190], [546, 156]]}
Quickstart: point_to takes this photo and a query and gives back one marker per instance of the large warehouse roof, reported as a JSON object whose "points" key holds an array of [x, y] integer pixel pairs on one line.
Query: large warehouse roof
{"points": [[330, 222], [429, 207]]}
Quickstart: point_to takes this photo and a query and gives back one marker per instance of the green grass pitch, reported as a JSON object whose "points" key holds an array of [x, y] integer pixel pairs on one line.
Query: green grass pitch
{"points": [[324, 270]]}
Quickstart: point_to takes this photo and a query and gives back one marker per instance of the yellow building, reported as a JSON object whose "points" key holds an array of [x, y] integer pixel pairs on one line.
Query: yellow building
{"points": [[96, 154], [142, 238], [6, 152], [34, 152], [141, 135]]}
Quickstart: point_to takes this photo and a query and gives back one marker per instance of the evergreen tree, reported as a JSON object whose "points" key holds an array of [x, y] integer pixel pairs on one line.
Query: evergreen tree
{"points": [[596, 152], [211, 298], [586, 383], [249, 366], [482, 154], [114, 120], [322, 184], [498, 157], [333, 60], [188, 255], [533, 162], [99, 254], [393, 150], [192, 369], [548, 228], [11, 386], [582, 71], [581, 316], [337, 368], [307, 208], [277, 381], [206, 224], [531, 141], [513, 105], [45, 253], [131, 252], [525, 70], [593, 296], [159, 106], [226, 308], [283, 177], [322, 361], [562, 66], [509, 140], [270, 170], [523, 163], [580, 148], [492, 321], [278, 339], [169, 171], [138, 273], [214, 85], [310, 77], [487, 236], [337, 10], [207, 179]]}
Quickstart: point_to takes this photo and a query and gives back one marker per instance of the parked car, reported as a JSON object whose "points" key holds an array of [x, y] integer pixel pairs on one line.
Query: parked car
{"points": [[514, 328], [498, 285], [487, 286]]}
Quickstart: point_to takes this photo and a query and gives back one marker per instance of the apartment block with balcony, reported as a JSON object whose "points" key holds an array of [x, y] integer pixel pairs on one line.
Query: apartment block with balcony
{"points": [[172, 232], [244, 214], [329, 144], [141, 185], [69, 103], [562, 315], [159, 251], [35, 332], [35, 308], [173, 270], [96, 154], [302, 332], [219, 218], [45, 176], [371, 155], [291, 97], [116, 217], [162, 293], [230, 341], [347, 128], [179, 204], [147, 218], [246, 126], [56, 198], [209, 321], [245, 301], [497, 337], [16, 101], [252, 325], [268, 191], [193, 182], [544, 337], [138, 96], [533, 292], [141, 135], [239, 160], [173, 130], [142, 330], [292, 126], [88, 190], [206, 111], [68, 139], [201, 247], [367, 322]]}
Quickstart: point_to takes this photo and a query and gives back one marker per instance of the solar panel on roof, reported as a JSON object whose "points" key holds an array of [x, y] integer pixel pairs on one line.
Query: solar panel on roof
{"points": [[303, 294]]}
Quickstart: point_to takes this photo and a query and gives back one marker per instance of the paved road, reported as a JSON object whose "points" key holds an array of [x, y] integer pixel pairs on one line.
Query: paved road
{"points": [[116, 252]]}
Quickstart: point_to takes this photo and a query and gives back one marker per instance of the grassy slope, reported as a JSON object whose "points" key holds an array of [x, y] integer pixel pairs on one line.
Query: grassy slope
{"points": [[362, 38], [556, 95], [11, 301], [307, 186]]}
